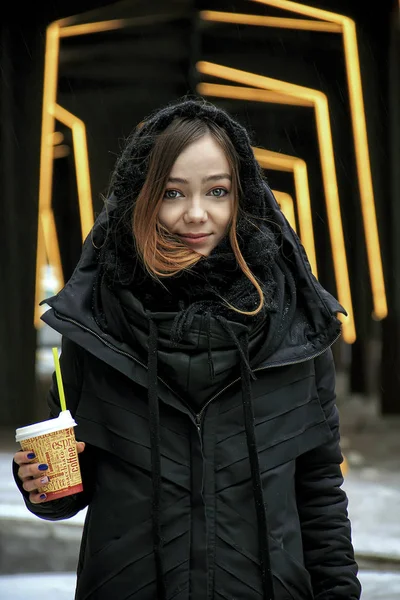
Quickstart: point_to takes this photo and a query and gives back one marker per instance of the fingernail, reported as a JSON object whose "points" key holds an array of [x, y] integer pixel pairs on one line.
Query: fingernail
{"points": [[31, 455], [43, 496], [43, 467], [44, 480]]}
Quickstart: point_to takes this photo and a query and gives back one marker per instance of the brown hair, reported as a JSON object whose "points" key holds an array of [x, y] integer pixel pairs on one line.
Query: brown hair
{"points": [[163, 254]]}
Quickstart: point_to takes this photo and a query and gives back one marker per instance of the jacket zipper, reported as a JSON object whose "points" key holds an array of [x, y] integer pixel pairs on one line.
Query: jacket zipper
{"points": [[197, 416]]}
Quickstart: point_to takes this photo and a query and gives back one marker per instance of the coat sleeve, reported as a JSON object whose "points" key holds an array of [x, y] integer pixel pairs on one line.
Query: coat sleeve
{"points": [[322, 504], [72, 365]]}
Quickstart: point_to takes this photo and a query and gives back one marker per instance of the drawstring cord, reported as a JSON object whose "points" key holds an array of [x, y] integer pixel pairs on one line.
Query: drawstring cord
{"points": [[244, 354], [154, 424], [248, 413], [247, 374], [183, 322], [209, 349]]}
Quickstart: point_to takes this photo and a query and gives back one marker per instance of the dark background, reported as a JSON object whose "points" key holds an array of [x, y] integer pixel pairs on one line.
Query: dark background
{"points": [[112, 80]]}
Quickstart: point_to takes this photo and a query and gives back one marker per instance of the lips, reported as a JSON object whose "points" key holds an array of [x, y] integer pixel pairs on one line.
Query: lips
{"points": [[194, 239], [194, 236]]}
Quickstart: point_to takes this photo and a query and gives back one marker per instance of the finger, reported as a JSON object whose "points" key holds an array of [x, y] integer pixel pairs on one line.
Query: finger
{"points": [[32, 470], [37, 498], [80, 446], [31, 485], [24, 457]]}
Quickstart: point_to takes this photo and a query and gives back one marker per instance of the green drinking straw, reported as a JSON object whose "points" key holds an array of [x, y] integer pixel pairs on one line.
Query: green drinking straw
{"points": [[59, 379]]}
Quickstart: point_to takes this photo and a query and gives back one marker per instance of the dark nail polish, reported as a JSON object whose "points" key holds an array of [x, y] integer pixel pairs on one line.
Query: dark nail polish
{"points": [[43, 496], [31, 455], [43, 467]]}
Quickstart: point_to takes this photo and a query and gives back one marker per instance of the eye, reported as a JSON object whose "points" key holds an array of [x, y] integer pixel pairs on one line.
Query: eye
{"points": [[219, 192], [172, 194]]}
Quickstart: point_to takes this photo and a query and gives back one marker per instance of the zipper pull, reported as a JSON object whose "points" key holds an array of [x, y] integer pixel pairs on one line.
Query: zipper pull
{"points": [[198, 422]]}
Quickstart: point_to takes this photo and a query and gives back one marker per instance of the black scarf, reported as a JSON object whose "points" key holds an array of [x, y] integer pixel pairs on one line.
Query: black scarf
{"points": [[214, 283]]}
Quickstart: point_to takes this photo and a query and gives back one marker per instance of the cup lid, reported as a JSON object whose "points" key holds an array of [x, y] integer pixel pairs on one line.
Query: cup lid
{"points": [[63, 421]]}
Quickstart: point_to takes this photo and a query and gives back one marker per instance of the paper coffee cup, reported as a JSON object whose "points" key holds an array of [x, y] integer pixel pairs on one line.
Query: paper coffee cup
{"points": [[53, 442]]}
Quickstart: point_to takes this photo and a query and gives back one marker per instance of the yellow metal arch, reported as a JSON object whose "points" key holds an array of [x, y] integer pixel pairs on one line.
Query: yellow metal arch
{"points": [[283, 162], [326, 21], [348, 30], [47, 241], [286, 203], [275, 160], [320, 104]]}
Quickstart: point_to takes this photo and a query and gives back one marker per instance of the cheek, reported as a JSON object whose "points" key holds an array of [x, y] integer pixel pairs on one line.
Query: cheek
{"points": [[225, 216], [166, 215]]}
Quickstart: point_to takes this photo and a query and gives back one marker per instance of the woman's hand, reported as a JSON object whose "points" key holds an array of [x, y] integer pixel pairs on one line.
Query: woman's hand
{"points": [[33, 475]]}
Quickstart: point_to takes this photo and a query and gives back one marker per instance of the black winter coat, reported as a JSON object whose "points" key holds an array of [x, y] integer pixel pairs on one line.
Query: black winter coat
{"points": [[208, 513], [208, 516], [207, 488]]}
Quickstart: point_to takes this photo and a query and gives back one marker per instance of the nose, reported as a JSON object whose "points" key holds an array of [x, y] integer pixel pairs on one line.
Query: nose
{"points": [[195, 213]]}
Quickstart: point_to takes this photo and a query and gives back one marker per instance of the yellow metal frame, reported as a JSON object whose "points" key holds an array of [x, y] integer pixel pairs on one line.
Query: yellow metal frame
{"points": [[275, 160], [286, 203], [47, 241], [319, 102], [353, 72], [335, 23], [283, 162], [258, 20]]}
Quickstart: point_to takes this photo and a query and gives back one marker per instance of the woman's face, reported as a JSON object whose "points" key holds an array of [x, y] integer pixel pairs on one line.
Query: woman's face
{"points": [[198, 201]]}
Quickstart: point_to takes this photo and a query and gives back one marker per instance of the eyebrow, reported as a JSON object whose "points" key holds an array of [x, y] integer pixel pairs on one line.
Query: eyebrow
{"points": [[216, 177]]}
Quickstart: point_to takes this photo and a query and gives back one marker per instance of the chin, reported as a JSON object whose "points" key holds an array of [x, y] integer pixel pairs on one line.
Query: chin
{"points": [[205, 252]]}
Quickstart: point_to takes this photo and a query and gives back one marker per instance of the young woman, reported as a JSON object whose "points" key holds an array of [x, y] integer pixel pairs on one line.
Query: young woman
{"points": [[197, 363]]}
